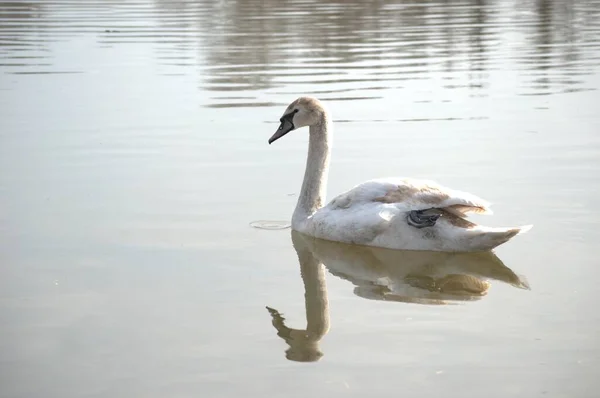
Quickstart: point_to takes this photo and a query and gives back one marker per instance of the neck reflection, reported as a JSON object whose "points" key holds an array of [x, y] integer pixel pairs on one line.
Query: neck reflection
{"points": [[304, 343]]}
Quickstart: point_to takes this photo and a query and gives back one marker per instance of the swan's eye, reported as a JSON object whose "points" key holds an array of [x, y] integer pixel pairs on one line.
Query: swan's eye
{"points": [[295, 110]]}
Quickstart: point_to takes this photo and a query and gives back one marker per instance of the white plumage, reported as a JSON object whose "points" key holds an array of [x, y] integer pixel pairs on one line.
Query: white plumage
{"points": [[377, 212]]}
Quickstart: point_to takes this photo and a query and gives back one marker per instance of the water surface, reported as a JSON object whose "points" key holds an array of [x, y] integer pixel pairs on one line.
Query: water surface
{"points": [[134, 156]]}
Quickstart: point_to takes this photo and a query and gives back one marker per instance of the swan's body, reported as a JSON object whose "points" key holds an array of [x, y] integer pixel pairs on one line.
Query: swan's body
{"points": [[394, 213]]}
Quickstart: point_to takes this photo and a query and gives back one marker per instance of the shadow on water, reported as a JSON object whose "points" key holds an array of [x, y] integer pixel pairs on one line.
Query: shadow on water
{"points": [[247, 50], [354, 50], [555, 45], [430, 278], [19, 25]]}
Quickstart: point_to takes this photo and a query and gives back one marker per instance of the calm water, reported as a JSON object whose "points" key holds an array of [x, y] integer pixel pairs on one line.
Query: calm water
{"points": [[134, 156]]}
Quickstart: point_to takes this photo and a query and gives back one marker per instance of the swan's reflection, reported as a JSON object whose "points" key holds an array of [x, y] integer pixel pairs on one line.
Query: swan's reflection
{"points": [[304, 343], [382, 274]]}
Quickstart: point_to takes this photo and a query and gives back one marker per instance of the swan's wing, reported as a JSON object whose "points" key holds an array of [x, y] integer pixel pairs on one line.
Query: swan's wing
{"points": [[394, 213], [413, 194]]}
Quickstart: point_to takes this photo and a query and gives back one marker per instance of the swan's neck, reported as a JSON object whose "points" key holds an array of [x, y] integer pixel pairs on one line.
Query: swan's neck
{"points": [[314, 186]]}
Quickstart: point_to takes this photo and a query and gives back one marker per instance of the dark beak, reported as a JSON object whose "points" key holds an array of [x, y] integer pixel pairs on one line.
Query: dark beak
{"points": [[285, 127]]}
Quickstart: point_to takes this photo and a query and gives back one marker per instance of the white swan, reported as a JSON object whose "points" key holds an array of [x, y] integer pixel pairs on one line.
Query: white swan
{"points": [[394, 213]]}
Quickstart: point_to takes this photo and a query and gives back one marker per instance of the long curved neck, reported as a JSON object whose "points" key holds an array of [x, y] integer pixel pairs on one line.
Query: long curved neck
{"points": [[314, 186]]}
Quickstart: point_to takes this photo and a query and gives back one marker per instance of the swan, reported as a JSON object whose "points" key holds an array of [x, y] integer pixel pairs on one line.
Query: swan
{"points": [[392, 213]]}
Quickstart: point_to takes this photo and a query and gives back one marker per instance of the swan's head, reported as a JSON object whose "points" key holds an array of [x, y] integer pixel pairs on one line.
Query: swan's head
{"points": [[305, 111]]}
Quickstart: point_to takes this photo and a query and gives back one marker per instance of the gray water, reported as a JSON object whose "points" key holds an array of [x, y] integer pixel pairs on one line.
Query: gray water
{"points": [[134, 156]]}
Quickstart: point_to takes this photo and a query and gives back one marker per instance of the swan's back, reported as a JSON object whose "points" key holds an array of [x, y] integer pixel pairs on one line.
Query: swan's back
{"points": [[375, 213]]}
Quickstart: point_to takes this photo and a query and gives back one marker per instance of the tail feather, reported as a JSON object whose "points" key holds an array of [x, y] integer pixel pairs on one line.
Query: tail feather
{"points": [[486, 238]]}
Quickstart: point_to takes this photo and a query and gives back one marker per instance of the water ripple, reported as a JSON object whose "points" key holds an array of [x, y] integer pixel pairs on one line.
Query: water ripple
{"points": [[261, 47]]}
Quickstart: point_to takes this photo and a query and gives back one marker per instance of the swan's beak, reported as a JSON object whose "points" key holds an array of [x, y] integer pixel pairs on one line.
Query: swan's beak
{"points": [[285, 127]]}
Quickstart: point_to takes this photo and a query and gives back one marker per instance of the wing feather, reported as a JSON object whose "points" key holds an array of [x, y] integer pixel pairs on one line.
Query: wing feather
{"points": [[416, 195], [427, 194]]}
